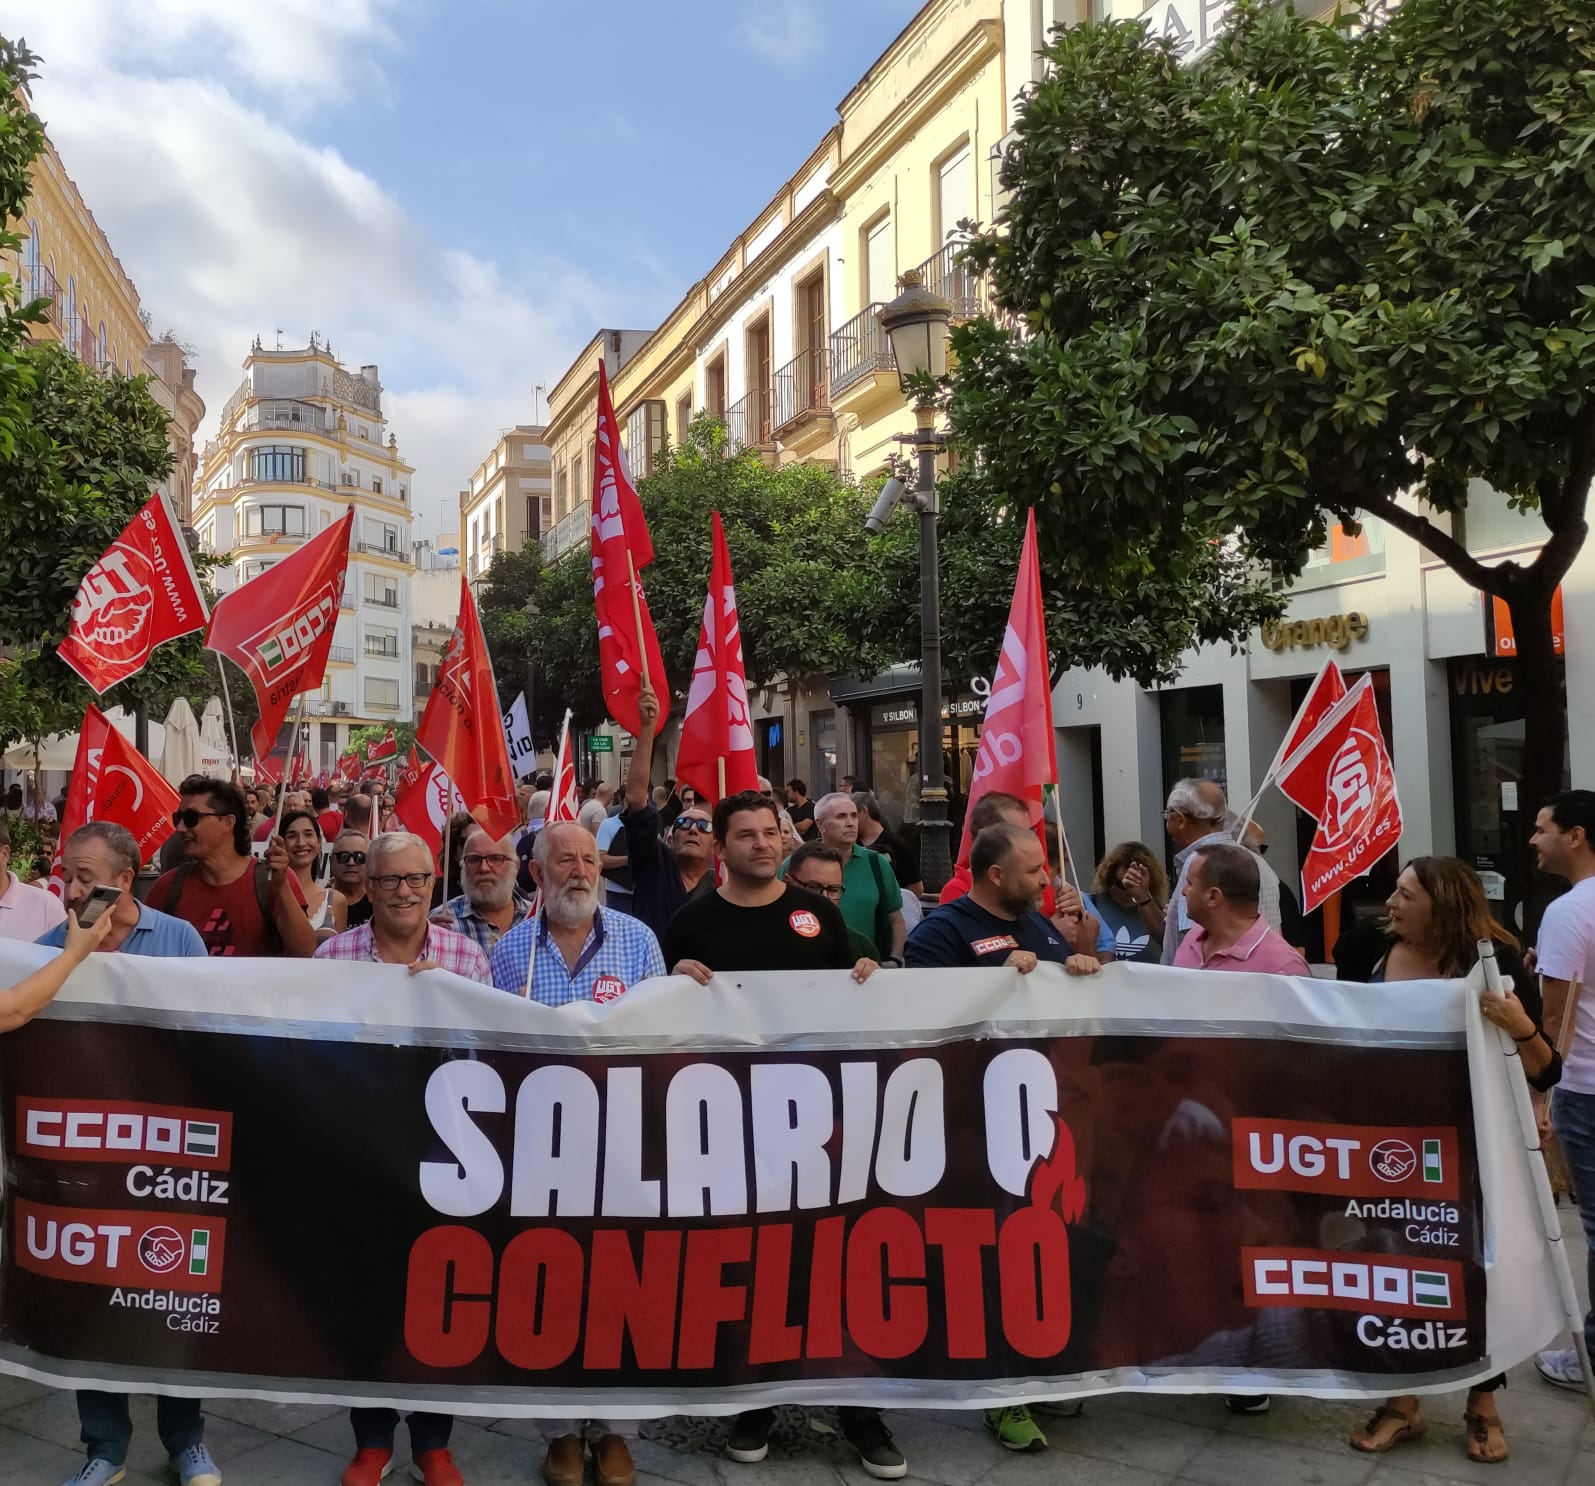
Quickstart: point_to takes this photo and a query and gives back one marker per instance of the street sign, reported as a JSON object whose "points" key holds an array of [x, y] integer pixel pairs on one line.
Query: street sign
{"points": [[601, 743]]}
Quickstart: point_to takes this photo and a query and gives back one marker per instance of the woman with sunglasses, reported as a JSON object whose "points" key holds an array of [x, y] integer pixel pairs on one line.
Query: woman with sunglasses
{"points": [[1436, 917], [349, 876], [324, 906]]}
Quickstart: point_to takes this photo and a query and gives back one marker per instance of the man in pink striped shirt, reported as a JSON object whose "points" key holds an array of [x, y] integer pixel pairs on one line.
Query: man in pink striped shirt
{"points": [[1221, 892]]}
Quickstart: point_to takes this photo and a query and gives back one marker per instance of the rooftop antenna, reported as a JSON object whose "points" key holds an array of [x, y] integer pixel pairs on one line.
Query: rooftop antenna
{"points": [[279, 337], [539, 392]]}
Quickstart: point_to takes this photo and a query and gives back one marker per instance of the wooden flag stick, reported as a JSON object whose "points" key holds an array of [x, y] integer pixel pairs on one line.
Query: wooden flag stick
{"points": [[636, 615], [720, 770], [531, 949], [232, 727], [1063, 841], [288, 764]]}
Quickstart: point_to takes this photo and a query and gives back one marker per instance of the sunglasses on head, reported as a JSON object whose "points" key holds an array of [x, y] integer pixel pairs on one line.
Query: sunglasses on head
{"points": [[188, 819], [693, 823]]}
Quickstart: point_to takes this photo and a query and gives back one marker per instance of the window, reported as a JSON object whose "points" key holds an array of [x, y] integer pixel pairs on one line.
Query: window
{"points": [[382, 641], [282, 463], [645, 437], [376, 486], [255, 569], [382, 535], [955, 197], [102, 358], [382, 694], [714, 387], [382, 591], [71, 306], [401, 492], [425, 675], [351, 478], [880, 268], [30, 264], [288, 521], [576, 480], [683, 417], [562, 490]]}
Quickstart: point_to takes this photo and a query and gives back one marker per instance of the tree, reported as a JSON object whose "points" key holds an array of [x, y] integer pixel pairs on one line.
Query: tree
{"points": [[1321, 275], [403, 737], [21, 143]]}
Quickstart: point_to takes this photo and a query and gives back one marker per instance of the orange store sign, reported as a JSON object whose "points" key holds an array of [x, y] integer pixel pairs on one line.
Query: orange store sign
{"points": [[1505, 642]]}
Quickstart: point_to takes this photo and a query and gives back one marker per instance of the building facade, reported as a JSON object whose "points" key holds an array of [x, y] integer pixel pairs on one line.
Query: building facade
{"points": [[301, 440], [509, 501]]}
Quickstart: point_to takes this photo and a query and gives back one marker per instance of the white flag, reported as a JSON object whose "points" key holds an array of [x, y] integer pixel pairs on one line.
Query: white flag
{"points": [[518, 735]]}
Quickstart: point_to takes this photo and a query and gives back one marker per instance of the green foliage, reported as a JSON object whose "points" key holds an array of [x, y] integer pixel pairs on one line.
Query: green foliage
{"points": [[1285, 287], [403, 734], [21, 143]]}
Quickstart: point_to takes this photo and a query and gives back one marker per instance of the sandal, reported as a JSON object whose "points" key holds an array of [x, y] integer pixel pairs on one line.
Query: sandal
{"points": [[1407, 1427], [1486, 1439]]}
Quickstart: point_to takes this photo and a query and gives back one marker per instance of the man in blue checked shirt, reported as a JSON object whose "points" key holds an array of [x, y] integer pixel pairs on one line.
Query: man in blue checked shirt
{"points": [[583, 952]]}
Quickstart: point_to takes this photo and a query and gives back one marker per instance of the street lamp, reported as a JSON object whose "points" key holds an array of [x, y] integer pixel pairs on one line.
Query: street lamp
{"points": [[916, 323]]}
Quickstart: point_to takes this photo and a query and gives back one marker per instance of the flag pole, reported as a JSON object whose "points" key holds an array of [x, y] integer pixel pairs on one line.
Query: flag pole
{"points": [[288, 765], [1063, 841], [636, 615], [232, 727], [720, 774]]}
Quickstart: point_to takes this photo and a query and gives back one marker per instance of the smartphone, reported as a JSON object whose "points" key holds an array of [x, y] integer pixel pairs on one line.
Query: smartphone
{"points": [[100, 899]]}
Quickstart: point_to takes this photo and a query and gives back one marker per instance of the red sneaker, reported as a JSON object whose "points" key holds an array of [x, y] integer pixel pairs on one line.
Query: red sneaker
{"points": [[368, 1467], [436, 1468]]}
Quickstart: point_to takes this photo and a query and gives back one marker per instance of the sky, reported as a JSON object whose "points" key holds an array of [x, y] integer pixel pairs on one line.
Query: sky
{"points": [[460, 191]]}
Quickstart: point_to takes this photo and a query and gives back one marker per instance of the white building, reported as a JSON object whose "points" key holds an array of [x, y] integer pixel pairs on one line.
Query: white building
{"points": [[300, 441]]}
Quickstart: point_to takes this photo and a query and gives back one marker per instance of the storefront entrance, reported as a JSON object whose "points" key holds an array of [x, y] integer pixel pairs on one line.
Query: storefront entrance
{"points": [[893, 754]]}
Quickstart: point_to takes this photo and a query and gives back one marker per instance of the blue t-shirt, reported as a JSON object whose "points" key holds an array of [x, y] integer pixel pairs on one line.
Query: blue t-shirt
{"points": [[156, 933], [963, 933]]}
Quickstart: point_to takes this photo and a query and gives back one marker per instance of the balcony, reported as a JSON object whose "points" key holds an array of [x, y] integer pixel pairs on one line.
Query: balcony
{"points": [[382, 600], [573, 530], [799, 389], [381, 649], [381, 549], [287, 413], [44, 287], [748, 420], [270, 539], [860, 349], [955, 283], [342, 655], [88, 348]]}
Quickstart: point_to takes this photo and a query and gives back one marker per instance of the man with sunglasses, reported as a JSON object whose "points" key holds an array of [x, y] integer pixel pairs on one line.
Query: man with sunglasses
{"points": [[238, 905], [675, 870], [491, 904], [399, 879], [349, 875]]}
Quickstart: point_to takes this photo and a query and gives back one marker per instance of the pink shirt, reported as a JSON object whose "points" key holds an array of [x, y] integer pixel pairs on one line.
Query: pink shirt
{"points": [[27, 912], [1260, 949]]}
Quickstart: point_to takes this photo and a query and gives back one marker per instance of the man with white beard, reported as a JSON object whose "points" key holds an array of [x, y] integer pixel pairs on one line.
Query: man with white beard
{"points": [[491, 904], [584, 952]]}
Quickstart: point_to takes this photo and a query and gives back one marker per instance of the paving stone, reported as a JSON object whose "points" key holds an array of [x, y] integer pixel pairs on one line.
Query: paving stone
{"points": [[274, 1418], [282, 1462], [18, 1390], [1239, 1460]]}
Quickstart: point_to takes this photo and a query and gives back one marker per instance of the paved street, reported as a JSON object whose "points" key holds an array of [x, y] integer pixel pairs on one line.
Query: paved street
{"points": [[1119, 1441]]}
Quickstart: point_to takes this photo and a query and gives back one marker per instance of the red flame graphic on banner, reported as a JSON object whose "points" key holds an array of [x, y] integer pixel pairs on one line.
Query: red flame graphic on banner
{"points": [[1054, 1179]]}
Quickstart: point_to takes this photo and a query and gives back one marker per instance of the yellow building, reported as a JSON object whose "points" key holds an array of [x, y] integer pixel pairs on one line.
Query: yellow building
{"points": [[94, 309], [301, 439], [509, 500]]}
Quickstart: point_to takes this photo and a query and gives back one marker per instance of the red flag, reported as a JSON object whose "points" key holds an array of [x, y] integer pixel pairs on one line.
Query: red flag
{"points": [[112, 781], [424, 801], [628, 648], [267, 771], [463, 729], [1342, 777], [1016, 753], [1328, 687], [386, 747], [141, 594], [278, 627], [375, 771], [717, 734], [562, 801], [349, 766]]}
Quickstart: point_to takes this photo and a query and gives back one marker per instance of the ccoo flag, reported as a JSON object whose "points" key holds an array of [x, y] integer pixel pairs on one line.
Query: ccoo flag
{"points": [[1341, 775], [385, 747], [278, 627], [1016, 741], [463, 729], [628, 649], [715, 755], [140, 594]]}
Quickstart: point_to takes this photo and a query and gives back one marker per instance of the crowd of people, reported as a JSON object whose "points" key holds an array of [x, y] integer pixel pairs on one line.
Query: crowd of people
{"points": [[654, 881]]}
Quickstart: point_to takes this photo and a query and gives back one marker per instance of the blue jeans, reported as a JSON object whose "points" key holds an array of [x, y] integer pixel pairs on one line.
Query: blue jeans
{"points": [[1573, 1119], [374, 1430], [107, 1428]]}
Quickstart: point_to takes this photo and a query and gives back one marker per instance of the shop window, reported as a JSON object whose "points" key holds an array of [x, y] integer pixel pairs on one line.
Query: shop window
{"points": [[1345, 555], [1489, 522]]}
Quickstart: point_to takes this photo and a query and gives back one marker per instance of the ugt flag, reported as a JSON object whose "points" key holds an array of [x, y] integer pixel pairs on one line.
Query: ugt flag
{"points": [[140, 594], [715, 755], [278, 627], [463, 729], [628, 648], [563, 803], [424, 800], [1328, 687], [1016, 740], [1342, 777]]}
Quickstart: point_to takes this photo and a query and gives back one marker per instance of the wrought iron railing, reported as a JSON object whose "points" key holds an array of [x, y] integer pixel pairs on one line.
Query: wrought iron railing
{"points": [[859, 349], [570, 531], [748, 420], [958, 285], [799, 388]]}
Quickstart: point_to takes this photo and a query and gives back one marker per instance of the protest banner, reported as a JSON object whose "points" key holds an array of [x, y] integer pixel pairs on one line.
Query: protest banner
{"points": [[343, 1183]]}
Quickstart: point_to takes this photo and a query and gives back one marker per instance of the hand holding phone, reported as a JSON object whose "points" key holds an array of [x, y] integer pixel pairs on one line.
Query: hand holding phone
{"points": [[101, 899]]}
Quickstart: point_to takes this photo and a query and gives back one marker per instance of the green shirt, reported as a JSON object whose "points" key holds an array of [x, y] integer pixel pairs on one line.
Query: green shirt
{"points": [[860, 898]]}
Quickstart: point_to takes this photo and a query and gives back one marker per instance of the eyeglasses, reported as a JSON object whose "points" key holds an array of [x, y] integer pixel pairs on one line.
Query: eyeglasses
{"points": [[390, 881], [692, 823], [345, 858], [188, 819], [479, 860], [831, 890]]}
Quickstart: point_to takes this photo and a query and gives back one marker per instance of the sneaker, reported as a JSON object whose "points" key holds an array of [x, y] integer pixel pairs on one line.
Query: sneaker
{"points": [[873, 1441], [194, 1467], [1248, 1403], [369, 1467], [1015, 1429], [436, 1468], [1561, 1367], [98, 1473], [749, 1440]]}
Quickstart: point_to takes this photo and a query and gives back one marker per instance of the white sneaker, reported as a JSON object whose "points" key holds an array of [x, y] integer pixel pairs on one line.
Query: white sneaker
{"points": [[1561, 1367]]}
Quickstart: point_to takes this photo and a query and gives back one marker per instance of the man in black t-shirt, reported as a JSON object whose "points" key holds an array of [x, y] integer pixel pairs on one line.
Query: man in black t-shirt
{"points": [[996, 922], [801, 808], [755, 921]]}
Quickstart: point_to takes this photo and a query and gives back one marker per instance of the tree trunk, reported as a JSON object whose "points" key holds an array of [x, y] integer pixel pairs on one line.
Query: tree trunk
{"points": [[1539, 678]]}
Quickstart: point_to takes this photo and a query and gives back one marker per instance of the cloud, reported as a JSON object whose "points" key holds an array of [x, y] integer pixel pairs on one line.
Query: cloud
{"points": [[789, 35], [232, 224]]}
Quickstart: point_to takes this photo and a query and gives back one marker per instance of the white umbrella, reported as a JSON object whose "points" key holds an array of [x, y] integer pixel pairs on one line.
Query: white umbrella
{"points": [[180, 756], [215, 757]]}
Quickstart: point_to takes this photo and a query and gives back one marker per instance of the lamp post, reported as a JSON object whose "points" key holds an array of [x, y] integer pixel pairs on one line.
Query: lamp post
{"points": [[916, 323]]}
